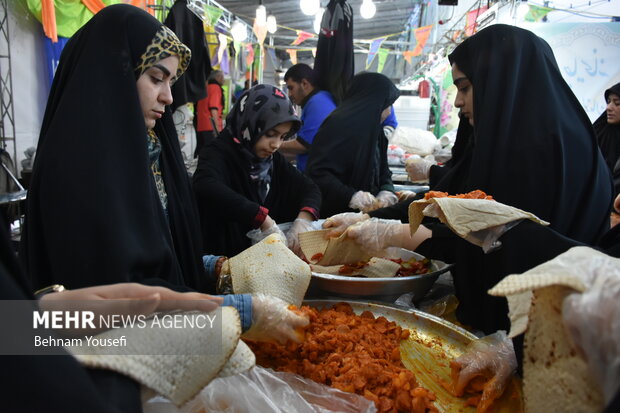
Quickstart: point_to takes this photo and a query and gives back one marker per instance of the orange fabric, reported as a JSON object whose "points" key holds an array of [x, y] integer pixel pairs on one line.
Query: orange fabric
{"points": [[213, 100], [48, 17], [95, 6]]}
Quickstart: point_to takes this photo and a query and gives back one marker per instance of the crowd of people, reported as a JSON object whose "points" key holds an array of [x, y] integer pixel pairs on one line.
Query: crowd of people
{"points": [[111, 201]]}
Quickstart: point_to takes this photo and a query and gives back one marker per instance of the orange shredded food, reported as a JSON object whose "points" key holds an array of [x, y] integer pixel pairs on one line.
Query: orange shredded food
{"points": [[477, 194], [474, 388], [354, 353]]}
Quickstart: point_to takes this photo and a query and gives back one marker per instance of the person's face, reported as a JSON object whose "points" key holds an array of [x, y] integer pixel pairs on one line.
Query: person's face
{"points": [[270, 142], [220, 78], [154, 89], [297, 91], [464, 99], [385, 113], [613, 109]]}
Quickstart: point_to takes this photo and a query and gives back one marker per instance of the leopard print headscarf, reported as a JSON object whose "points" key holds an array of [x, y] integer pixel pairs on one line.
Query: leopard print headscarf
{"points": [[164, 44]]}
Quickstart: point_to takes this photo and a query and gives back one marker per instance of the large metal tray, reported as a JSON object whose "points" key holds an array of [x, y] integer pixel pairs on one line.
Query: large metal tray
{"points": [[433, 343], [379, 289]]}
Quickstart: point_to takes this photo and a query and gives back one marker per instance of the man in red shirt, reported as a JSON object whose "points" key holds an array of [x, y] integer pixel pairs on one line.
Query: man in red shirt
{"points": [[209, 108]]}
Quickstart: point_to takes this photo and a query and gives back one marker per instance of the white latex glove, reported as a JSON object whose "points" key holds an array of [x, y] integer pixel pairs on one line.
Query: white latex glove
{"points": [[340, 222], [300, 225], [492, 357], [362, 201], [592, 319], [375, 235], [418, 169], [387, 198], [273, 321], [257, 235], [388, 131]]}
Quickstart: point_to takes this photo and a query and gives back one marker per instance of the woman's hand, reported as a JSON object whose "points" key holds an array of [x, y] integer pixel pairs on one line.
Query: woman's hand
{"points": [[267, 228], [492, 359], [375, 235], [387, 198], [300, 225], [272, 320], [340, 222], [362, 201], [418, 169]]}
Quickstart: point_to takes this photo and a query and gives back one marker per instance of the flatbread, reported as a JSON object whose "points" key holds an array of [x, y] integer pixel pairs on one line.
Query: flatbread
{"points": [[332, 251], [470, 219], [270, 267], [556, 377], [181, 371], [376, 268]]}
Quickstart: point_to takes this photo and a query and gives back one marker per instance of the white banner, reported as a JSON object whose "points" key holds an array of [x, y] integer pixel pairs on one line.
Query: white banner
{"points": [[588, 55]]}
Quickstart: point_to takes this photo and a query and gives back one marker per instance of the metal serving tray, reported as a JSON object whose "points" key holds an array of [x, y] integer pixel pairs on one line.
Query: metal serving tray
{"points": [[432, 344], [380, 289]]}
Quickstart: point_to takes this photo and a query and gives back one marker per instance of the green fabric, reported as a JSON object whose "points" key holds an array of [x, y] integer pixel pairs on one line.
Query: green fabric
{"points": [[536, 13], [383, 54], [212, 14], [70, 14]]}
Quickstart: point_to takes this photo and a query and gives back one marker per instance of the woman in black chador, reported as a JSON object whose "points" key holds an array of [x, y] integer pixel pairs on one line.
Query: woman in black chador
{"points": [[607, 128], [110, 200], [348, 158], [532, 148]]}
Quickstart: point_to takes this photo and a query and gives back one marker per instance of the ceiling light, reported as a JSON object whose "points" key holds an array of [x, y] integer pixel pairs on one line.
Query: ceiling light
{"points": [[238, 31], [272, 26], [261, 15], [310, 7], [318, 18], [368, 9]]}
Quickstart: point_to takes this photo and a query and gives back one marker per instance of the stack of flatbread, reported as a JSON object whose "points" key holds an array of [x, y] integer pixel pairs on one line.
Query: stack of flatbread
{"points": [[270, 267], [173, 362], [479, 221], [556, 375], [328, 255]]}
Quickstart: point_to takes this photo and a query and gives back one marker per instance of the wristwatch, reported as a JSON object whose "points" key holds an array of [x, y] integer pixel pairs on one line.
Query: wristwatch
{"points": [[54, 288]]}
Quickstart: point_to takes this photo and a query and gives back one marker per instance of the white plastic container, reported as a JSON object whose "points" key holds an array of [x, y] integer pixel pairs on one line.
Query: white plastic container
{"points": [[412, 111]]}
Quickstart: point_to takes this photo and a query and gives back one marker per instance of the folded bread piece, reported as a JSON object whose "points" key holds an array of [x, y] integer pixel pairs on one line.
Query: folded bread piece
{"points": [[556, 377], [270, 267], [173, 362], [479, 221]]}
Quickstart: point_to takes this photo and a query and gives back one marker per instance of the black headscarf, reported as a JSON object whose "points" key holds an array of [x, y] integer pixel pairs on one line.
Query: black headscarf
{"points": [[534, 147], [334, 61], [608, 137], [189, 28], [93, 213], [258, 110], [349, 151]]}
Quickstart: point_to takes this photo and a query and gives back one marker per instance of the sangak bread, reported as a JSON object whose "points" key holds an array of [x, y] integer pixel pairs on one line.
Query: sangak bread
{"points": [[182, 367], [555, 376], [270, 267]]}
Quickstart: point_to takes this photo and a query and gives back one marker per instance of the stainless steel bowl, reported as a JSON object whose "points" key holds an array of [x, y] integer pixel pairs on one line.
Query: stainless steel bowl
{"points": [[379, 289]]}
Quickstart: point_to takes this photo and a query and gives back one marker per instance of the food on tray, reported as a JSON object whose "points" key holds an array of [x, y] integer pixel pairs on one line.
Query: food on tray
{"points": [[477, 194], [354, 353], [407, 268]]}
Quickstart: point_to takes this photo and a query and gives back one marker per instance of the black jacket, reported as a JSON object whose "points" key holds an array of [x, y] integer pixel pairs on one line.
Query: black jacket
{"points": [[228, 200]]}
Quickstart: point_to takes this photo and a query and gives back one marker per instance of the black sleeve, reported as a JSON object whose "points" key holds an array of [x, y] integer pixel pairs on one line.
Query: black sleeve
{"points": [[296, 190], [399, 210], [436, 173], [385, 175], [213, 186]]}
